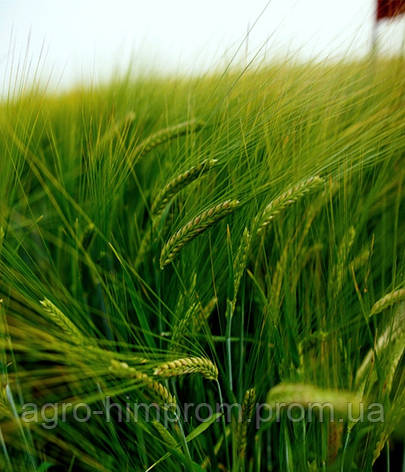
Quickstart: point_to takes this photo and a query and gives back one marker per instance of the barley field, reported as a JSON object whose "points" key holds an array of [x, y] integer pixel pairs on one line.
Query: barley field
{"points": [[189, 264]]}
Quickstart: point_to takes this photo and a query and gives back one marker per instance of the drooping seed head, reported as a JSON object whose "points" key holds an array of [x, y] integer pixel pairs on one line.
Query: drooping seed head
{"points": [[193, 228], [188, 365]]}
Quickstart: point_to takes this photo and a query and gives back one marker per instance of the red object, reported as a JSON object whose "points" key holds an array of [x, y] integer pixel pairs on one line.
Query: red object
{"points": [[389, 8]]}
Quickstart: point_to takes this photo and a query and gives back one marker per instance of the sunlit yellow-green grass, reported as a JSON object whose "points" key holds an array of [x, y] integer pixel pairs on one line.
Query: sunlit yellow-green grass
{"points": [[235, 238]]}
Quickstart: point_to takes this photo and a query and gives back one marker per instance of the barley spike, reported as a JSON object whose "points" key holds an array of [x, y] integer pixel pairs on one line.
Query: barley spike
{"points": [[62, 321], [193, 228], [178, 183], [121, 369], [188, 365], [275, 207], [165, 135], [248, 408], [387, 301]]}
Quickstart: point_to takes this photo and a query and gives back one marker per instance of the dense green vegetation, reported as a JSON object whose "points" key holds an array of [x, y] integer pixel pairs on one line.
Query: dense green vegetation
{"points": [[271, 268]]}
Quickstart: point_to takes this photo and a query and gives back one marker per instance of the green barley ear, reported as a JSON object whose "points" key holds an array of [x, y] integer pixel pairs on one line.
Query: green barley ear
{"points": [[390, 344], [165, 135], [166, 437], [162, 200], [182, 328], [188, 365], [239, 265], [285, 394], [192, 321], [288, 198], [180, 182], [193, 228], [116, 129], [155, 388], [340, 269], [146, 243], [203, 314], [248, 410], [62, 321], [388, 300]]}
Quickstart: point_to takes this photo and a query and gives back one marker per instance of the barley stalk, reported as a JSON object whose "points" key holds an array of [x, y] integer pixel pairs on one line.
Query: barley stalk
{"points": [[121, 369], [180, 182], [388, 300], [165, 135], [62, 321], [193, 228], [248, 409], [188, 365], [288, 198]]}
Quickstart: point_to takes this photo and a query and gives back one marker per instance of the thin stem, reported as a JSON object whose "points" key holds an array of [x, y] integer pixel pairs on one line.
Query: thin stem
{"points": [[241, 345], [228, 333], [229, 352], [183, 439], [178, 420], [221, 401], [349, 429]]}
